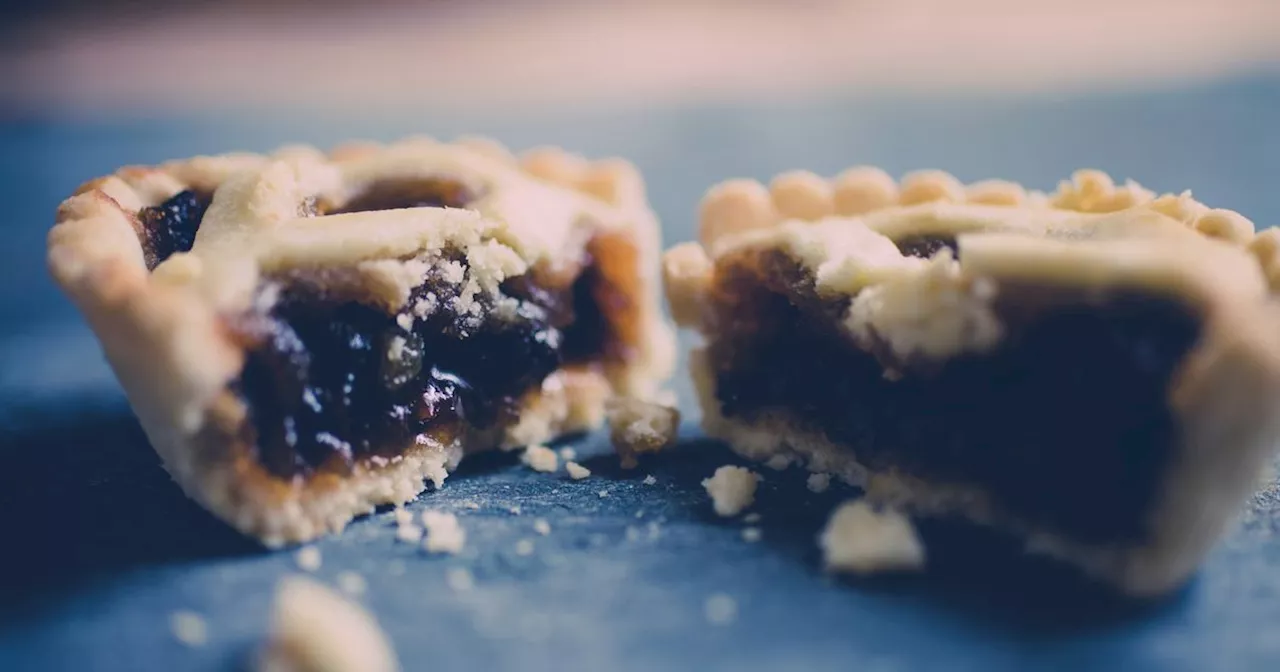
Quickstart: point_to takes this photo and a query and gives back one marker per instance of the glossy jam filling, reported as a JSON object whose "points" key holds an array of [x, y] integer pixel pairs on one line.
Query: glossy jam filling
{"points": [[391, 194], [330, 382], [1065, 424], [925, 246], [171, 227]]}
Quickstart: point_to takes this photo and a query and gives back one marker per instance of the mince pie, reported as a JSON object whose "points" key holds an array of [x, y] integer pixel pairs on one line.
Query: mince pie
{"points": [[305, 337], [1095, 370]]}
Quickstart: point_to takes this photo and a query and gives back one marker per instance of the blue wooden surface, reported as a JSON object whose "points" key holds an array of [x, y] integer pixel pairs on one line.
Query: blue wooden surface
{"points": [[99, 547]]}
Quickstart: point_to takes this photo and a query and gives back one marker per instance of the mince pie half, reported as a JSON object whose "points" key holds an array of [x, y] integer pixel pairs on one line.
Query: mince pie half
{"points": [[1096, 370], [304, 337]]}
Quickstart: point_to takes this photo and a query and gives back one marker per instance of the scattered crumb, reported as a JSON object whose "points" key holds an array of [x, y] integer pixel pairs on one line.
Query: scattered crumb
{"points": [[351, 583], [649, 480], [567, 453], [474, 506], [633, 533], [540, 458], [524, 547], [444, 533], [640, 513], [576, 471], [732, 489], [778, 462], [603, 494], [751, 518], [189, 628], [555, 491], [861, 540], [751, 534], [541, 526], [460, 579], [409, 534], [308, 558], [819, 482], [655, 531], [402, 515], [514, 510], [637, 427], [720, 609], [315, 629]]}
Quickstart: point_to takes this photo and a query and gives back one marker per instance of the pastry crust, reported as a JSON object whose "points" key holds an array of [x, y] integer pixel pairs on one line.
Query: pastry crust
{"points": [[1088, 238], [165, 331]]}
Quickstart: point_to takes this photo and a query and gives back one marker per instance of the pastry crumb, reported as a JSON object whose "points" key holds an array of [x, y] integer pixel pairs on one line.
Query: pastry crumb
{"points": [[778, 462], [720, 609], [474, 506], [402, 515], [460, 579], [732, 489], [567, 453], [655, 531], [576, 471], [540, 458], [524, 547], [409, 534], [633, 533], [603, 494], [649, 480], [514, 510], [860, 540], [818, 482], [751, 534], [189, 628], [308, 558], [637, 427], [541, 526], [351, 583], [444, 533], [315, 629], [751, 518]]}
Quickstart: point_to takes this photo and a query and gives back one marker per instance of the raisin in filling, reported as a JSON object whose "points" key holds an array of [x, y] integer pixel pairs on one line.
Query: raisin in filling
{"points": [[330, 381], [171, 227], [391, 194], [1065, 423], [925, 246]]}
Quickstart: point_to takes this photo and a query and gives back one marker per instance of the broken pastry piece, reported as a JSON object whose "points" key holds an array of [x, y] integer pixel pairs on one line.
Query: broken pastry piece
{"points": [[1095, 370], [305, 337], [637, 427]]}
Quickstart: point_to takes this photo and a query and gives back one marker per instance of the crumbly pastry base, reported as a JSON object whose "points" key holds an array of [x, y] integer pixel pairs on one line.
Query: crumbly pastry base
{"points": [[164, 331], [253, 501], [1088, 237]]}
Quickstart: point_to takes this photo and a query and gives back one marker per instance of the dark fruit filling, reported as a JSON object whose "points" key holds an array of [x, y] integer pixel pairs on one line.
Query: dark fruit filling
{"points": [[171, 226], [330, 381], [1066, 423], [926, 246], [392, 194]]}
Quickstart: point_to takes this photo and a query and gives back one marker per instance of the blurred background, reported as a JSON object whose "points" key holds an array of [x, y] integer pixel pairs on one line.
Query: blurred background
{"points": [[383, 57], [1176, 94]]}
